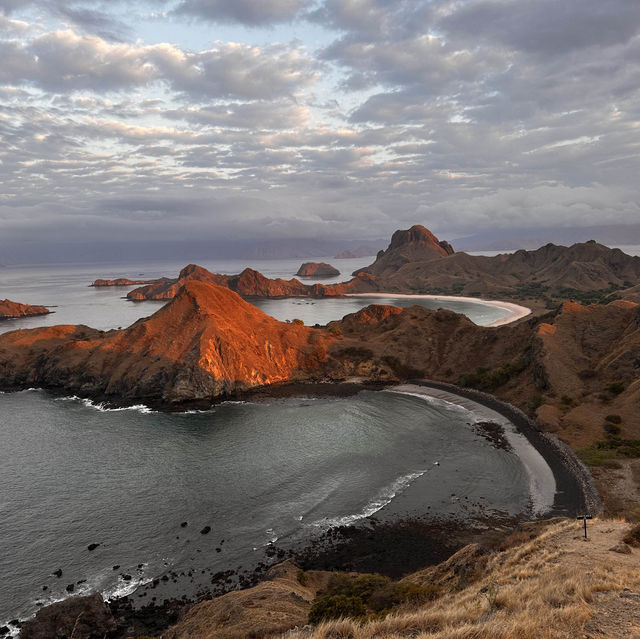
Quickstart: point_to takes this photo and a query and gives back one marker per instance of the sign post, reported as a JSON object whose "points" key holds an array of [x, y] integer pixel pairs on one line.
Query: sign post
{"points": [[584, 519]]}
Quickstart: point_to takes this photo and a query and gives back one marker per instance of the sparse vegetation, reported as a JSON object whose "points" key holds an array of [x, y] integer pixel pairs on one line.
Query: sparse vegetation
{"points": [[403, 371], [633, 536], [539, 589], [366, 596], [488, 380]]}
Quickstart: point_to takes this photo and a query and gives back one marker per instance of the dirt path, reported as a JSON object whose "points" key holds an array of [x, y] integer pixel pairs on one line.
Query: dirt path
{"points": [[617, 612]]}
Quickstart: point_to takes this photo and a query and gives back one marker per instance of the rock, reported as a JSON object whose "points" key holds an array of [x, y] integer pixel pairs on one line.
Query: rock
{"points": [[317, 269], [183, 524], [206, 530], [12, 310], [86, 617], [57, 573], [621, 548], [91, 547], [70, 588], [126, 577]]}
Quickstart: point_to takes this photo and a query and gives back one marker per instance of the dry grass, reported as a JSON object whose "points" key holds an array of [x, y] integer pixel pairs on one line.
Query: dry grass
{"points": [[544, 588]]}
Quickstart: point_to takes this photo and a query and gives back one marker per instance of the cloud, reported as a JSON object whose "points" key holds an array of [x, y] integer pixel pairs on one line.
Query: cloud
{"points": [[246, 12], [63, 60], [545, 27]]}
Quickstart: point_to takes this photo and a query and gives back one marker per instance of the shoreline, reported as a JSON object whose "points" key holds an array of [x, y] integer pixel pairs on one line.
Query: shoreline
{"points": [[370, 544], [517, 311]]}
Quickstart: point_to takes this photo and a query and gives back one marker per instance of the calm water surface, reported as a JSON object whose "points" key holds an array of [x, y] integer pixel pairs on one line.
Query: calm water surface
{"points": [[66, 290]]}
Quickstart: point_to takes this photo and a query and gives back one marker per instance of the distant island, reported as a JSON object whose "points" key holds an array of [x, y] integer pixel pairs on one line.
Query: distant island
{"points": [[317, 269], [13, 310]]}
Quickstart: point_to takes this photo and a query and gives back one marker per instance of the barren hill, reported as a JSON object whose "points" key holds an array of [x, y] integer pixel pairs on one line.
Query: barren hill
{"points": [[205, 343], [11, 310]]}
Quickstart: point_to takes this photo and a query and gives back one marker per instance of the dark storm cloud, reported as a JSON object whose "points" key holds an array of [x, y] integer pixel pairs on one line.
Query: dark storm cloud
{"points": [[247, 12]]}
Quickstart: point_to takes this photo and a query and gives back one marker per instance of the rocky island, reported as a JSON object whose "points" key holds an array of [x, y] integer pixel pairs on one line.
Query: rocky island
{"points": [[317, 269], [13, 310], [122, 281]]}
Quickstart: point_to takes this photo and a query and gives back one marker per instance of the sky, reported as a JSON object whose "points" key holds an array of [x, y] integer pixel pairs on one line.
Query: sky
{"points": [[207, 119]]}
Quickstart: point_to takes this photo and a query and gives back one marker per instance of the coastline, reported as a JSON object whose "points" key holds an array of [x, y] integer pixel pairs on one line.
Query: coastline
{"points": [[517, 311], [370, 545]]}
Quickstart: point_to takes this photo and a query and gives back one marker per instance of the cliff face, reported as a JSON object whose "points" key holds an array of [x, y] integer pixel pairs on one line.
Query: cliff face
{"points": [[207, 342], [11, 310]]}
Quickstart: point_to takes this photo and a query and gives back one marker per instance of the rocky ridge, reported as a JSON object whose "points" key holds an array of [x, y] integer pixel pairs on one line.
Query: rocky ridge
{"points": [[12, 310]]}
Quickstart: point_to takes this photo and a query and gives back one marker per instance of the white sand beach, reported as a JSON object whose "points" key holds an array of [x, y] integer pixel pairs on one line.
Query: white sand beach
{"points": [[517, 311]]}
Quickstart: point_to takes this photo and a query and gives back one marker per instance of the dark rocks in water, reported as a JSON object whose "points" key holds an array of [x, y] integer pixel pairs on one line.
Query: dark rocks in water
{"points": [[82, 581], [70, 588], [183, 524], [91, 547], [4, 631], [45, 587], [57, 573], [206, 530], [218, 549], [116, 567], [86, 617], [126, 577]]}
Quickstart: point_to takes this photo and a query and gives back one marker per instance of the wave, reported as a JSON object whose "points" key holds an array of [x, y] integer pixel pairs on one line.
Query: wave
{"points": [[470, 416], [105, 408], [384, 497]]}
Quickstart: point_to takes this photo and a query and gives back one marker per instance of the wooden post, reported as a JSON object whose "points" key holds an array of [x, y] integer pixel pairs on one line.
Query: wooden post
{"points": [[584, 519]]}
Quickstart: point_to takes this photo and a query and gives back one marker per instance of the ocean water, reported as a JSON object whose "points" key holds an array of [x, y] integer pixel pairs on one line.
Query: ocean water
{"points": [[66, 290], [73, 473]]}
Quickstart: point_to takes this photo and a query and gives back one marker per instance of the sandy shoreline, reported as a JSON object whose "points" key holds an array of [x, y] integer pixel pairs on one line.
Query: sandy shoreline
{"points": [[517, 311]]}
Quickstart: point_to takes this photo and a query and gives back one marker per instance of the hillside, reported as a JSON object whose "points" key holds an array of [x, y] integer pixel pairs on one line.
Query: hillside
{"points": [[207, 342], [546, 273]]}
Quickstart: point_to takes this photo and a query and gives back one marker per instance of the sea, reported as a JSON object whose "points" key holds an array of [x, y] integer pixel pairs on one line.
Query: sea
{"points": [[194, 493]]}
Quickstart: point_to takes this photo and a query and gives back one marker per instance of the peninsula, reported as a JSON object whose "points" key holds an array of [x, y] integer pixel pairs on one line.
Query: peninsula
{"points": [[13, 310]]}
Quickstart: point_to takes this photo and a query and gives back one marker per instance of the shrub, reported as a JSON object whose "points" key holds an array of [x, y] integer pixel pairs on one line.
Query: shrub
{"points": [[361, 586], [335, 607], [400, 593], [615, 388], [633, 536], [567, 401], [612, 429], [302, 577], [614, 419], [297, 322]]}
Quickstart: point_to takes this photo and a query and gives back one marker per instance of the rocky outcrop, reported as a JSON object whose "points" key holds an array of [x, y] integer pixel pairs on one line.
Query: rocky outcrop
{"points": [[123, 281], [206, 343], [12, 310], [317, 269], [86, 617], [253, 284], [416, 244]]}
